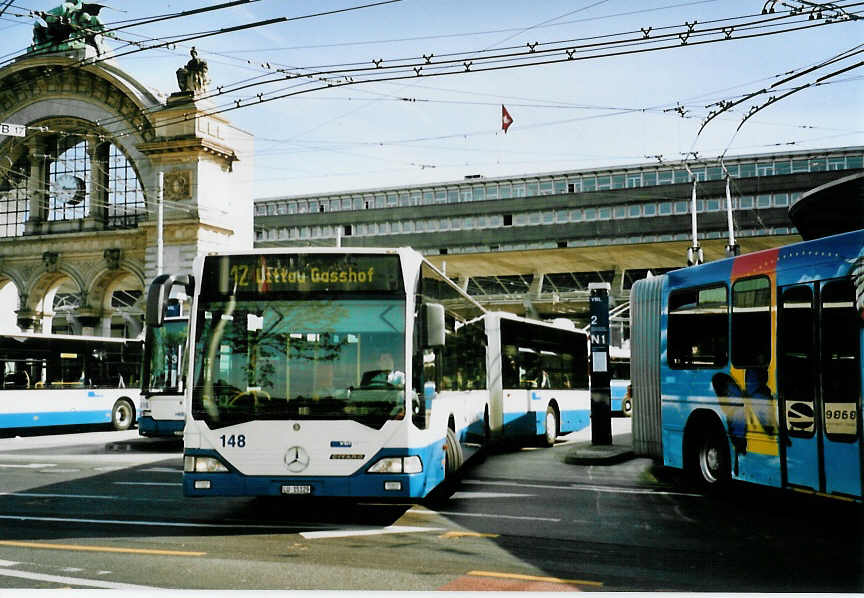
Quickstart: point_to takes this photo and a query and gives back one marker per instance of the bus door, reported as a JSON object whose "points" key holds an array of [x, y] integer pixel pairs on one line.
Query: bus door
{"points": [[820, 387]]}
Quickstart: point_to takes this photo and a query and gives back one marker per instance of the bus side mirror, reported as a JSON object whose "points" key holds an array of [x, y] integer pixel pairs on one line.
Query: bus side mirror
{"points": [[434, 316], [157, 295]]}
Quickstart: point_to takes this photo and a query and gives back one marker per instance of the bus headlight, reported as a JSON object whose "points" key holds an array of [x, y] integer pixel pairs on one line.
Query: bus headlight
{"points": [[193, 464], [411, 464]]}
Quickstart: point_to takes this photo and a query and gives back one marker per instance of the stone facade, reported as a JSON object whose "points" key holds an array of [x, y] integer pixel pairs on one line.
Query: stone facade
{"points": [[80, 193]]}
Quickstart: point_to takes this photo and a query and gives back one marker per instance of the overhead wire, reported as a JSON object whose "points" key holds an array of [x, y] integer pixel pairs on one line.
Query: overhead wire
{"points": [[326, 84], [268, 99], [260, 98]]}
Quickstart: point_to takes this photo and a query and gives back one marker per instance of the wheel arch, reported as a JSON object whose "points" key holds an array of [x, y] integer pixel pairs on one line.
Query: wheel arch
{"points": [[700, 422]]}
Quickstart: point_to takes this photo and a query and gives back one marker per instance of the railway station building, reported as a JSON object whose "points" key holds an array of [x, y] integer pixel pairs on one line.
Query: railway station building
{"points": [[532, 244], [89, 157]]}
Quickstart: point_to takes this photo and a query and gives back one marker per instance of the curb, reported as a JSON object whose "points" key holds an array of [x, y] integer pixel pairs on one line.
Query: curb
{"points": [[591, 454]]}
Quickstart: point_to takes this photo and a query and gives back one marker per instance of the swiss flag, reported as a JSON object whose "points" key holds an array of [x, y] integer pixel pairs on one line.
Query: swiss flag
{"points": [[506, 119]]}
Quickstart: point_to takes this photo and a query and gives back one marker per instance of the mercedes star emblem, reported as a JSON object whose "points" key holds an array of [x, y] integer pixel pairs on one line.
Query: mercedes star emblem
{"points": [[296, 459]]}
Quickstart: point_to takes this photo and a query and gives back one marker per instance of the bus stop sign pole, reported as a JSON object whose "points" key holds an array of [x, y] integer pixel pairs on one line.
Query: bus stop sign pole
{"points": [[601, 397]]}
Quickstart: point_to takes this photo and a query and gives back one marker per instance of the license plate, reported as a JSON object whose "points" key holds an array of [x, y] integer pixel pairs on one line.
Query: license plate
{"points": [[297, 489]]}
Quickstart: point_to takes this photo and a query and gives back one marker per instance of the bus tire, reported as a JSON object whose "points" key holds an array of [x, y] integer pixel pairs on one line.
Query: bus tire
{"points": [[627, 406], [122, 415], [487, 430], [551, 427], [709, 460], [452, 455]]}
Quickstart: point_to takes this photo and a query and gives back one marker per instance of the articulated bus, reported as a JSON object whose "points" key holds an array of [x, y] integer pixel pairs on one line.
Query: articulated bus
{"points": [[360, 373], [165, 361], [749, 368], [63, 380]]}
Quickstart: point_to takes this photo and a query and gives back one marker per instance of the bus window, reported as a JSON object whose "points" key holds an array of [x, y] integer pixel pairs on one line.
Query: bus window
{"points": [[841, 360], [698, 328], [751, 323]]}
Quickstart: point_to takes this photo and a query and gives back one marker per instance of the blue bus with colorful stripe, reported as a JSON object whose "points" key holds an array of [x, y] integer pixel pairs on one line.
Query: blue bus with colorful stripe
{"points": [[360, 373], [749, 368]]}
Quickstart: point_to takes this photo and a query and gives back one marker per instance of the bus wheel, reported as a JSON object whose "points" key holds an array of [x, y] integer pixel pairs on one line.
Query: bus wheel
{"points": [[627, 408], [710, 459], [452, 455], [122, 415], [627, 404], [487, 430], [551, 432]]}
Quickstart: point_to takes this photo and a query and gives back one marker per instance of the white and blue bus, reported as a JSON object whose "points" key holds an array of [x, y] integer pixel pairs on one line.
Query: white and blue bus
{"points": [[165, 361], [360, 373], [619, 382], [62, 380]]}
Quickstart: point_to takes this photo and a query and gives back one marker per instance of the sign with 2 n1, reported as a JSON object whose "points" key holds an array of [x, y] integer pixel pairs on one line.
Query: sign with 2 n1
{"points": [[13, 130]]}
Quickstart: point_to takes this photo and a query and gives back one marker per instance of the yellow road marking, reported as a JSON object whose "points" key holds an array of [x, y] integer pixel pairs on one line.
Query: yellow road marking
{"points": [[535, 578], [99, 548], [813, 492], [467, 535]]}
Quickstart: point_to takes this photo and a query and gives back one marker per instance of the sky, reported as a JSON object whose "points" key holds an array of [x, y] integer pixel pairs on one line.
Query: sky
{"points": [[584, 111]]}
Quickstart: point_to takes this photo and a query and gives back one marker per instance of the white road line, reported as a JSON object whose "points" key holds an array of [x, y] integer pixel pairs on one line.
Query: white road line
{"points": [[489, 495], [486, 515], [586, 488], [8, 563], [163, 523], [91, 496], [74, 581], [28, 465], [346, 533], [149, 483]]}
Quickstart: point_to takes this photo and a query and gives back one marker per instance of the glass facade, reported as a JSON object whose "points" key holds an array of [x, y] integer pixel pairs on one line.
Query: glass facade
{"points": [[648, 175]]}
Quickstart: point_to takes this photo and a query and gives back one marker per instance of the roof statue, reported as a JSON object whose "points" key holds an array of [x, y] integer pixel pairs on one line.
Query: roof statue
{"points": [[71, 26], [193, 78]]}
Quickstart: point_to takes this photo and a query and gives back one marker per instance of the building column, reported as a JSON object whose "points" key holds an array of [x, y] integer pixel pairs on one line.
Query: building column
{"points": [[37, 186], [98, 155]]}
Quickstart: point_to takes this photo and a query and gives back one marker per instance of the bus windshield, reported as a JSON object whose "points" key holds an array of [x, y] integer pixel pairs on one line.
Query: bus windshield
{"points": [[163, 360], [312, 358]]}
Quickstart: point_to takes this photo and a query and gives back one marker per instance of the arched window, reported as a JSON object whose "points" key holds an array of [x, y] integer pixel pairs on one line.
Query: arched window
{"points": [[70, 185], [80, 176], [14, 207], [126, 205]]}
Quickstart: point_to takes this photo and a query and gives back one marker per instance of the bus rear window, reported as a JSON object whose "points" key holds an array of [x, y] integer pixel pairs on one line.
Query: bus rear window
{"points": [[698, 330]]}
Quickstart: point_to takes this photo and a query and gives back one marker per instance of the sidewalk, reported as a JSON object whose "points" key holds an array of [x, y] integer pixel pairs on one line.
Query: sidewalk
{"points": [[586, 453]]}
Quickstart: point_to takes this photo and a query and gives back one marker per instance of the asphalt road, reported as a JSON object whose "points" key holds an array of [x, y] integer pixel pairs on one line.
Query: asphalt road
{"points": [[105, 510]]}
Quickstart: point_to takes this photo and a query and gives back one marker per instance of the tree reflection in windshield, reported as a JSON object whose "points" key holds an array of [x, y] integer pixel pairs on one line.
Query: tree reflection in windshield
{"points": [[336, 359]]}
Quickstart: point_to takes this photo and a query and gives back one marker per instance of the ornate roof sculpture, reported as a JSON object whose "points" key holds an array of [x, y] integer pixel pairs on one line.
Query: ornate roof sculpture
{"points": [[73, 25], [193, 78]]}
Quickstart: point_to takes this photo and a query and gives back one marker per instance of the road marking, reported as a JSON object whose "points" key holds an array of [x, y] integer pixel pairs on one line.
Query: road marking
{"points": [[489, 495], [390, 529], [8, 563], [27, 465], [586, 488], [89, 548], [90, 496], [74, 581], [486, 515], [521, 577], [159, 523], [468, 535], [149, 483]]}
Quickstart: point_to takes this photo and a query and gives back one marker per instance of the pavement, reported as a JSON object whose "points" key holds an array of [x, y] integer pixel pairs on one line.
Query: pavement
{"points": [[588, 453]]}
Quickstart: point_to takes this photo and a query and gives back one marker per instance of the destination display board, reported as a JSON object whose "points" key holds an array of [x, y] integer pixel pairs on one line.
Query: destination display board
{"points": [[262, 275]]}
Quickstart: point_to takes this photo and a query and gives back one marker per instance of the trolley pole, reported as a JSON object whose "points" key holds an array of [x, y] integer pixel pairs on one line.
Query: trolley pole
{"points": [[601, 396]]}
